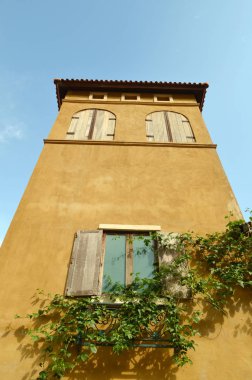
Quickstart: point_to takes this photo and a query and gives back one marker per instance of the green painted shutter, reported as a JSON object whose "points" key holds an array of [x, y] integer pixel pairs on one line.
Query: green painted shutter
{"points": [[84, 270]]}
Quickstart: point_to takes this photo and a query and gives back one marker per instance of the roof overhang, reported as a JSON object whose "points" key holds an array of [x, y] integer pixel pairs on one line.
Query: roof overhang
{"points": [[65, 85]]}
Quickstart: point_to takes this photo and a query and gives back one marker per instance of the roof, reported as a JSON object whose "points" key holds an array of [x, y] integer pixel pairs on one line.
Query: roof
{"points": [[65, 85]]}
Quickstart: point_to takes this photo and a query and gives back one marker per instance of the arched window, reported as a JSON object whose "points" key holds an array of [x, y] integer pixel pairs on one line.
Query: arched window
{"points": [[166, 126], [92, 124]]}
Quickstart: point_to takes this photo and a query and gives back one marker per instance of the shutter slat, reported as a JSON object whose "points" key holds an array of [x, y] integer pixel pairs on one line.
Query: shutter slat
{"points": [[83, 274]]}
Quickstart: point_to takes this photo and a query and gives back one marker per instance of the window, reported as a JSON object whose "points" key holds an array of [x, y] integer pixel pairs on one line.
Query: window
{"points": [[127, 254], [132, 97], [163, 98], [92, 124], [102, 258], [98, 96], [166, 126]]}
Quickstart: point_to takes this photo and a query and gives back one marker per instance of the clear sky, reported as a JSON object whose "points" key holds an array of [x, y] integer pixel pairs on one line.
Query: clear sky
{"points": [[155, 40]]}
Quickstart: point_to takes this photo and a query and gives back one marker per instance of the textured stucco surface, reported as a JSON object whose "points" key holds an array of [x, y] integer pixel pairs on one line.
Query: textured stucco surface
{"points": [[77, 187]]}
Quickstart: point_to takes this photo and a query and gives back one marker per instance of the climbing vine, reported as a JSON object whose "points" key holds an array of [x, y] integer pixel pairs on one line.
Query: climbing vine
{"points": [[165, 309]]}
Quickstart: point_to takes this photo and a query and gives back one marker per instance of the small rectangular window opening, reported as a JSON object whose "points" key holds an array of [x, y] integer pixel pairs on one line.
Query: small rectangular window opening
{"points": [[163, 98], [130, 97], [98, 96]]}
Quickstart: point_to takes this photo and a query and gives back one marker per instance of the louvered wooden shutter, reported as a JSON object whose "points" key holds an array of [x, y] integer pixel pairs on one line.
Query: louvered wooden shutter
{"points": [[166, 255], [84, 269]]}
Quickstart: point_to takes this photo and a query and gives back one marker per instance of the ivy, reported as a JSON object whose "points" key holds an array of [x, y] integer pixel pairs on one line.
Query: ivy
{"points": [[212, 267]]}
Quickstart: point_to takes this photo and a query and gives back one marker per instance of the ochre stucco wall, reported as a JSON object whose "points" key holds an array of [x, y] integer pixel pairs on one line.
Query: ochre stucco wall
{"points": [[79, 186], [130, 118]]}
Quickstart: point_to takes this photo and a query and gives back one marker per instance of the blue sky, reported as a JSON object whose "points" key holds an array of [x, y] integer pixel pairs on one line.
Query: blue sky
{"points": [[159, 40]]}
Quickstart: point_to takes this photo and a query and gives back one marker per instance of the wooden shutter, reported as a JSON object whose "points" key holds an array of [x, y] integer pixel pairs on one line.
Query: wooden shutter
{"points": [[167, 253], [187, 129], [104, 128], [80, 125], [149, 128], [159, 127], [110, 126], [83, 273], [70, 135], [180, 128]]}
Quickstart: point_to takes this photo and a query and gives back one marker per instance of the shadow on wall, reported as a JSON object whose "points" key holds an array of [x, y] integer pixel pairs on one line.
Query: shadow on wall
{"points": [[139, 363], [135, 364], [241, 304]]}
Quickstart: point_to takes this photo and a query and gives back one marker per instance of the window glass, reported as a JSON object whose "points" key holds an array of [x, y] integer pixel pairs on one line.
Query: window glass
{"points": [[127, 254], [143, 256], [114, 263]]}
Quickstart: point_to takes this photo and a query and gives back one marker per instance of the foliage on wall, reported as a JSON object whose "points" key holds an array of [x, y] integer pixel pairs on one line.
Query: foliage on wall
{"points": [[166, 309]]}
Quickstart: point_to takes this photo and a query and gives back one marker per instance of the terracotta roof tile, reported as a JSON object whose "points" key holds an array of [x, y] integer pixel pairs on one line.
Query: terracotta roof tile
{"points": [[64, 85]]}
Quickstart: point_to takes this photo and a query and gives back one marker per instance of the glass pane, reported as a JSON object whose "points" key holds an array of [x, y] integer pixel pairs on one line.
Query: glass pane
{"points": [[114, 264], [143, 256]]}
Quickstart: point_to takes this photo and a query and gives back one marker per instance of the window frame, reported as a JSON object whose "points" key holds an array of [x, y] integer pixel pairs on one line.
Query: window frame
{"points": [[86, 266], [159, 98], [129, 253], [125, 95], [92, 96]]}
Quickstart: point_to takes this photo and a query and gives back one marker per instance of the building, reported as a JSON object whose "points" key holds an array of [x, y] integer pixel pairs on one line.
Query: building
{"points": [[121, 156]]}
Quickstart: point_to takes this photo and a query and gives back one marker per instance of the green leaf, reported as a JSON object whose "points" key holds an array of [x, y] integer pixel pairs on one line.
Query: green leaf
{"points": [[93, 348]]}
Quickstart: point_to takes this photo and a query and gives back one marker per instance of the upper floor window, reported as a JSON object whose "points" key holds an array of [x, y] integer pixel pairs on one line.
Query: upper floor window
{"points": [[98, 96], [166, 126], [163, 98], [92, 124], [130, 97]]}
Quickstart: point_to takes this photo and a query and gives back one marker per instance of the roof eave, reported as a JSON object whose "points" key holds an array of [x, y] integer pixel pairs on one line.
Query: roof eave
{"points": [[64, 85]]}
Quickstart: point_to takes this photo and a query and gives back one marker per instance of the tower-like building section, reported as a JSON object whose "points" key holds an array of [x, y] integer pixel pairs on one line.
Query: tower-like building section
{"points": [[121, 156]]}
